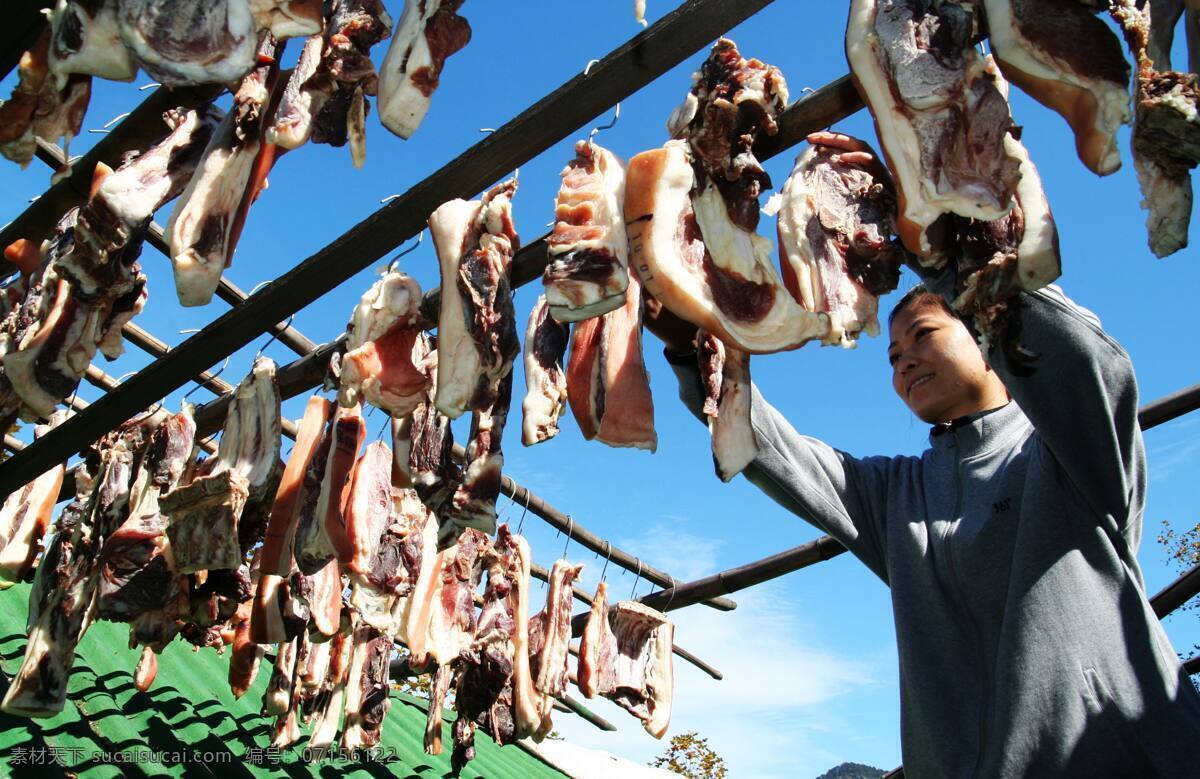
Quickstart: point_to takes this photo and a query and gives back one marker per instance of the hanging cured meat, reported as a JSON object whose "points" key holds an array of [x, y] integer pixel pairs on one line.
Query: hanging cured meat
{"points": [[836, 241], [245, 654], [25, 516], [589, 251], [473, 504], [692, 210], [597, 649], [1067, 59], [41, 107], [304, 95], [548, 651], [84, 39], [288, 18], [477, 333], [725, 375], [545, 380], [429, 32], [204, 227], [385, 572], [321, 528], [607, 383], [387, 352], [181, 42], [447, 608], [329, 700], [366, 689], [940, 117], [645, 676]]}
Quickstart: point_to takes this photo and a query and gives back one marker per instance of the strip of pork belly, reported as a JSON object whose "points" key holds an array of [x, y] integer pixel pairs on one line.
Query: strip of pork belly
{"points": [[597, 649], [386, 360], [369, 508], [551, 666], [323, 593], [245, 655], [65, 586], [940, 118], [837, 245], [645, 677], [279, 689], [321, 532], [545, 380], [367, 701], [424, 442], [137, 566], [286, 729], [25, 516], [702, 266], [443, 678], [202, 231], [181, 42], [84, 39], [303, 96], [474, 501], [41, 107], [329, 701], [526, 700], [725, 374], [589, 251], [428, 33], [1064, 57], [288, 18], [452, 618], [607, 372], [477, 333], [384, 592]]}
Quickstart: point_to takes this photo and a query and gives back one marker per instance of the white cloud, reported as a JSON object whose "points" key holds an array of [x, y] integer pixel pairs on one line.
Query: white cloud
{"points": [[768, 716]]}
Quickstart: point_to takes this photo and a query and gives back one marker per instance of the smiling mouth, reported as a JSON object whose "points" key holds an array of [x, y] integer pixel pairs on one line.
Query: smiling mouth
{"points": [[918, 382]]}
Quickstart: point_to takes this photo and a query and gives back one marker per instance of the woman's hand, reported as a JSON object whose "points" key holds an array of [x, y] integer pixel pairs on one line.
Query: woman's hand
{"points": [[678, 335]]}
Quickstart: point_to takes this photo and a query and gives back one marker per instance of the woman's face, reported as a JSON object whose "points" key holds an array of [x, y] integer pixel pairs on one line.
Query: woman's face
{"points": [[937, 369]]}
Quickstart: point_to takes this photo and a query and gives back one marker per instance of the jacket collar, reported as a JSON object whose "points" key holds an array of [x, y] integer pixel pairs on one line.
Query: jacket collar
{"points": [[976, 433]]}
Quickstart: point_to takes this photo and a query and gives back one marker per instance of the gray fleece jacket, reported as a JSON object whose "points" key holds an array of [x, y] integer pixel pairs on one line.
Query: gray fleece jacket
{"points": [[1027, 645]]}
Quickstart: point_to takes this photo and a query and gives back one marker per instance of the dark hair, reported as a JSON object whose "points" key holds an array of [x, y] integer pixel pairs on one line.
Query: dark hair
{"points": [[920, 295]]}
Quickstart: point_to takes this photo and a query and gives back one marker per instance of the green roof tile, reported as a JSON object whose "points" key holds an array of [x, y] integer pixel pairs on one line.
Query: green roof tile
{"points": [[191, 711]]}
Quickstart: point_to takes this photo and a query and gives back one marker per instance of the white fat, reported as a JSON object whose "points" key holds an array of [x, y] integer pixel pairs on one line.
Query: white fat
{"points": [[277, 16], [733, 443], [1038, 262], [458, 357], [682, 115], [235, 63], [1169, 202], [102, 54], [402, 106], [773, 204]]}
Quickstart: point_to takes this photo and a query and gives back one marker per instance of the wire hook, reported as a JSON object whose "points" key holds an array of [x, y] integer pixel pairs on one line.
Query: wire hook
{"points": [[521, 524], [273, 337], [637, 577], [192, 391], [570, 529], [392, 262], [607, 557], [616, 118]]}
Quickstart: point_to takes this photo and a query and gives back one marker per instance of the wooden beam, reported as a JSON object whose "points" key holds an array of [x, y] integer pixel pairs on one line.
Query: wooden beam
{"points": [[23, 25], [1177, 593], [619, 74], [1170, 407]]}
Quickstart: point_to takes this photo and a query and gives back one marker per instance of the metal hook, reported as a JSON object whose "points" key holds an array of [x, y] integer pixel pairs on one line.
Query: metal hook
{"points": [[110, 123], [670, 597], [637, 577], [570, 529], [616, 118], [152, 84], [274, 336], [192, 391], [379, 435], [608, 556], [383, 201], [588, 68], [521, 524], [500, 514], [392, 262]]}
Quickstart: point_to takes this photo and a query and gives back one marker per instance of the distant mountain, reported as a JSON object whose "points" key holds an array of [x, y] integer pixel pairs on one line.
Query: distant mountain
{"points": [[853, 771]]}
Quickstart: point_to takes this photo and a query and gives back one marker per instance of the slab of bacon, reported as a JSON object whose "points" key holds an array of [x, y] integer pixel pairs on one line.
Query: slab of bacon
{"points": [[278, 694], [473, 504], [322, 592], [1066, 58], [384, 573], [429, 32], [545, 380], [597, 649], [40, 107], [321, 530], [424, 443], [304, 95], [692, 210], [65, 583], [328, 702], [548, 649], [25, 516], [275, 555], [204, 227], [643, 671], [607, 383], [725, 374], [940, 117], [366, 689], [837, 245], [477, 333], [137, 566], [245, 655], [288, 18], [181, 42], [387, 351], [84, 39], [442, 618], [589, 251]]}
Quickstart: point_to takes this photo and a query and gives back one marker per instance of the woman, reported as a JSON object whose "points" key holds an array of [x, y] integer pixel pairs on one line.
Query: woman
{"points": [[1027, 645]]}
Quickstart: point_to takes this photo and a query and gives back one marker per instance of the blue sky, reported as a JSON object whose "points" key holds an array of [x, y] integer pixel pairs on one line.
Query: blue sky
{"points": [[809, 659]]}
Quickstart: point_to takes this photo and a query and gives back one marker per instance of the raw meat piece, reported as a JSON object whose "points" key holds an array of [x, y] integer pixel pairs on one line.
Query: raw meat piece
{"points": [[382, 590], [474, 501], [327, 705], [836, 242], [147, 669], [597, 649], [549, 666], [530, 708], [203, 229], [321, 532], [245, 654], [369, 508], [429, 32], [725, 373], [645, 677], [477, 333], [607, 373], [448, 610], [288, 18], [202, 522], [303, 97], [940, 118], [387, 351], [137, 566], [442, 679], [182, 42], [589, 251], [703, 267], [367, 689], [1065, 58], [424, 443], [25, 516], [323, 593], [84, 39], [545, 379], [279, 690]]}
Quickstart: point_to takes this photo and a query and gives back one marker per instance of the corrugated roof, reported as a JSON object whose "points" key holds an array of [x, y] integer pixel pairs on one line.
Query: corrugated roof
{"points": [[191, 710]]}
